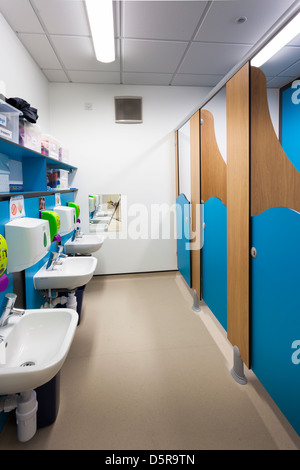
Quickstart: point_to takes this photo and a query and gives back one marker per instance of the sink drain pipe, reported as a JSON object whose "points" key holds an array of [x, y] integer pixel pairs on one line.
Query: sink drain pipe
{"points": [[26, 406], [70, 301]]}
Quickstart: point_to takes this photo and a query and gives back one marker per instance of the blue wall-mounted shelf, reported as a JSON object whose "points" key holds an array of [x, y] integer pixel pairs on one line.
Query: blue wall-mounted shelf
{"points": [[27, 194], [19, 153], [34, 165]]}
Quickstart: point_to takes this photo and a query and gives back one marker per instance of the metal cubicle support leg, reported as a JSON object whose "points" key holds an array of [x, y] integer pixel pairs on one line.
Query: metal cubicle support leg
{"points": [[237, 371], [196, 305]]}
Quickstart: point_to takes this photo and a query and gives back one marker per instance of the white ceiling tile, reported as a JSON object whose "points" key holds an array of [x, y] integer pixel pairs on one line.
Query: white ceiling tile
{"points": [[94, 77], [117, 20], [182, 79], [64, 16], [131, 78], [281, 61], [220, 24], [279, 82], [41, 50], [56, 75], [152, 56], [295, 41], [161, 20], [293, 71], [77, 53], [212, 59], [155, 36], [20, 15]]}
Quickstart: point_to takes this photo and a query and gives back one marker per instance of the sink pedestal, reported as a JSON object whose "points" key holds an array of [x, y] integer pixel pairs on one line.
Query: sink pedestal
{"points": [[48, 397]]}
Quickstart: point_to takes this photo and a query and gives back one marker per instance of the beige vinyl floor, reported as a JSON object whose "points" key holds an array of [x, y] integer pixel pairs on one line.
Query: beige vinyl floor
{"points": [[146, 372]]}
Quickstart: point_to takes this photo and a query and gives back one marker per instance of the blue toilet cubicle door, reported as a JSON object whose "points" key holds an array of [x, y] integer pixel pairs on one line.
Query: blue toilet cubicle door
{"points": [[183, 207], [275, 300]]}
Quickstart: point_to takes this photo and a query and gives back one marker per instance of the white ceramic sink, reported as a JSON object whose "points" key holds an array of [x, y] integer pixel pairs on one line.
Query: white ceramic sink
{"points": [[34, 347], [84, 245], [72, 273], [102, 213], [101, 219], [98, 227]]}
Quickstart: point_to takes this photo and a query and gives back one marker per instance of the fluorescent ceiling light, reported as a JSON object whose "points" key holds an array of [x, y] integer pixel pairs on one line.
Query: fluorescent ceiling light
{"points": [[284, 36], [100, 13]]}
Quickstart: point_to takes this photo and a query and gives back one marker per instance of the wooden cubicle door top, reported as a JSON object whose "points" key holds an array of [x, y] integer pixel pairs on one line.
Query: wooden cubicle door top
{"points": [[275, 182], [213, 166]]}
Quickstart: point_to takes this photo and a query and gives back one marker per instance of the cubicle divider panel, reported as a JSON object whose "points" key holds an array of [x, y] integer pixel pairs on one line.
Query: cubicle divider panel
{"points": [[176, 164], [238, 211], [195, 202]]}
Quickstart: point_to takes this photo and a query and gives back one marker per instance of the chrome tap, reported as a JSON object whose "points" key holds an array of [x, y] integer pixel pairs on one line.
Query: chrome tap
{"points": [[55, 258], [51, 261], [77, 234], [8, 308], [60, 256]]}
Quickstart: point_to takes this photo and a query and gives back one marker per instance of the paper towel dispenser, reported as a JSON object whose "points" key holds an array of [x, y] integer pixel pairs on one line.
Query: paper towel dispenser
{"points": [[28, 241], [67, 217]]}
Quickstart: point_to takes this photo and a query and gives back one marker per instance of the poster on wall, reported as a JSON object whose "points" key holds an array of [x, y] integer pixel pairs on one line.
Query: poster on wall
{"points": [[42, 203], [57, 199], [16, 207]]}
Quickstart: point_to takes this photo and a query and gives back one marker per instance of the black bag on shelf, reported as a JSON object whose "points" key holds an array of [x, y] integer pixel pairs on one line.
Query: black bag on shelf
{"points": [[28, 111]]}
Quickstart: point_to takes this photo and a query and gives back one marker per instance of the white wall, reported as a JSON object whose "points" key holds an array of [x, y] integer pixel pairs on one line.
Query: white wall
{"points": [[273, 102], [20, 76], [184, 160], [217, 106], [136, 160]]}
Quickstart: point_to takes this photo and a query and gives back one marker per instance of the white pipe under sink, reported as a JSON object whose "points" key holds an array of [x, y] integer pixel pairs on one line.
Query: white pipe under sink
{"points": [[26, 407], [70, 301]]}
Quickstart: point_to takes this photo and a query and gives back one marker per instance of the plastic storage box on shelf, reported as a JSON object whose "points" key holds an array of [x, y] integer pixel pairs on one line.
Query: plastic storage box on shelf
{"points": [[57, 179], [29, 135], [50, 146], [64, 155], [9, 122], [16, 187], [4, 174]]}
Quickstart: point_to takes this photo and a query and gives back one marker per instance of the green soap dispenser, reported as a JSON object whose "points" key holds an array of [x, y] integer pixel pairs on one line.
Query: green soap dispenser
{"points": [[76, 207], [54, 222], [4, 281], [3, 255]]}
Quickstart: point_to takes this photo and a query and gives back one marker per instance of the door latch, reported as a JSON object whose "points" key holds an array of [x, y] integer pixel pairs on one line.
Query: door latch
{"points": [[253, 252]]}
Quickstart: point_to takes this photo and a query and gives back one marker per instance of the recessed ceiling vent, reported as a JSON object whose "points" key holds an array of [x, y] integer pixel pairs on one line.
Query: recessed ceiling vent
{"points": [[128, 109], [241, 19]]}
